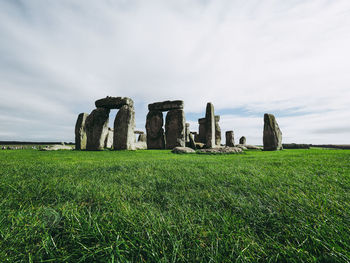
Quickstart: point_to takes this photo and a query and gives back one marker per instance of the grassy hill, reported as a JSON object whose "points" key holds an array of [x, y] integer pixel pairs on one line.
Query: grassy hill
{"points": [[155, 206]]}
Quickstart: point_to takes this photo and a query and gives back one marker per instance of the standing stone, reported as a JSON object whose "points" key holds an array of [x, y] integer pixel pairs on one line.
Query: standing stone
{"points": [[97, 129], [187, 132], [80, 132], [202, 132], [124, 125], [142, 138], [272, 137], [175, 129], [109, 138], [217, 131], [154, 130], [242, 140], [192, 143], [230, 140], [210, 126]]}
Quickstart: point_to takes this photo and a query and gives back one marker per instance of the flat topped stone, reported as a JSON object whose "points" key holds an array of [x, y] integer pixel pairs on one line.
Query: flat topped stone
{"points": [[114, 102], [139, 132], [203, 120], [166, 105]]}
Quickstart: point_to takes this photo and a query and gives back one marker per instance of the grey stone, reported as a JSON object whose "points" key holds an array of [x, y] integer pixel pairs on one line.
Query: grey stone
{"points": [[221, 150], [80, 132], [202, 121], [124, 125], [56, 147], [183, 150], [210, 126], [272, 137], [138, 132], [109, 138], [187, 132], [142, 138], [242, 140], [140, 145], [96, 129], [113, 102], [154, 130], [217, 132], [191, 142], [166, 105], [175, 129], [230, 139], [202, 133]]}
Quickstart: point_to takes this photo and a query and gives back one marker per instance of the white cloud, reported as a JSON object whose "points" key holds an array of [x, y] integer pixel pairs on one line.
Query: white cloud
{"points": [[290, 57]]}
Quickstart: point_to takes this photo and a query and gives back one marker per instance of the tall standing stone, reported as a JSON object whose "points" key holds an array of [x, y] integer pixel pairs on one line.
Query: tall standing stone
{"points": [[124, 125], [217, 131], [210, 126], [187, 132], [175, 129], [97, 129], [272, 137], [80, 132], [230, 139], [242, 140], [202, 132], [154, 130]]}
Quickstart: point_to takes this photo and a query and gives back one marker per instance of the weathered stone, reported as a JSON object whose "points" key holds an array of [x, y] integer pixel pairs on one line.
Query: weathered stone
{"points": [[272, 137], [175, 129], [187, 132], [210, 126], [191, 142], [56, 147], [109, 138], [252, 147], [80, 132], [202, 133], [202, 121], [113, 102], [242, 140], [200, 145], [221, 150], [124, 125], [141, 145], [217, 118], [138, 132], [166, 105], [217, 132], [230, 139], [154, 130], [96, 129], [183, 150], [142, 138]]}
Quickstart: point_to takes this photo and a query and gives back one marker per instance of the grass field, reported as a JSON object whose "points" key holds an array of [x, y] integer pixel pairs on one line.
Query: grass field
{"points": [[155, 206]]}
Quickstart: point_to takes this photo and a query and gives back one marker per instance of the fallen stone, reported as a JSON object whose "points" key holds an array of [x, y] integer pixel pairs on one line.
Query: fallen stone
{"points": [[114, 102], [124, 125], [175, 129], [154, 130], [80, 132], [272, 136], [166, 105], [230, 140], [221, 150], [96, 129], [182, 150], [200, 145], [56, 147], [141, 145], [241, 146]]}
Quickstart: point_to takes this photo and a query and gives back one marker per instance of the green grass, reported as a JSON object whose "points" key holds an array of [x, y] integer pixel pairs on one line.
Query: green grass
{"points": [[155, 206]]}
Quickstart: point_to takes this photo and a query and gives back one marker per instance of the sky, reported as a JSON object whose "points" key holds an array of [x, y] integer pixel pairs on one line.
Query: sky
{"points": [[290, 58]]}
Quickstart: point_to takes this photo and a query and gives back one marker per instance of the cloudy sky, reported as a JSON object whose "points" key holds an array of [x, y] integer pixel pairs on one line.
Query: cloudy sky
{"points": [[286, 57]]}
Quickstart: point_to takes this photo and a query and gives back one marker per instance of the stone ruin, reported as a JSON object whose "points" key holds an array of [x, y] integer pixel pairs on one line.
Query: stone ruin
{"points": [[92, 132], [175, 125], [272, 137], [209, 128], [230, 139]]}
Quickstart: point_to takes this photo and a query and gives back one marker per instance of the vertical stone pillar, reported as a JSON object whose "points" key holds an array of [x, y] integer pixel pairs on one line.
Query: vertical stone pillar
{"points": [[124, 126], [187, 132], [210, 126], [175, 129], [109, 138], [272, 137], [154, 130], [97, 129], [80, 132], [217, 131], [230, 140], [202, 133]]}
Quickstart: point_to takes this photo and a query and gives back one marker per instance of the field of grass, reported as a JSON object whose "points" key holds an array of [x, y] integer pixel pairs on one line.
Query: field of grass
{"points": [[155, 206]]}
